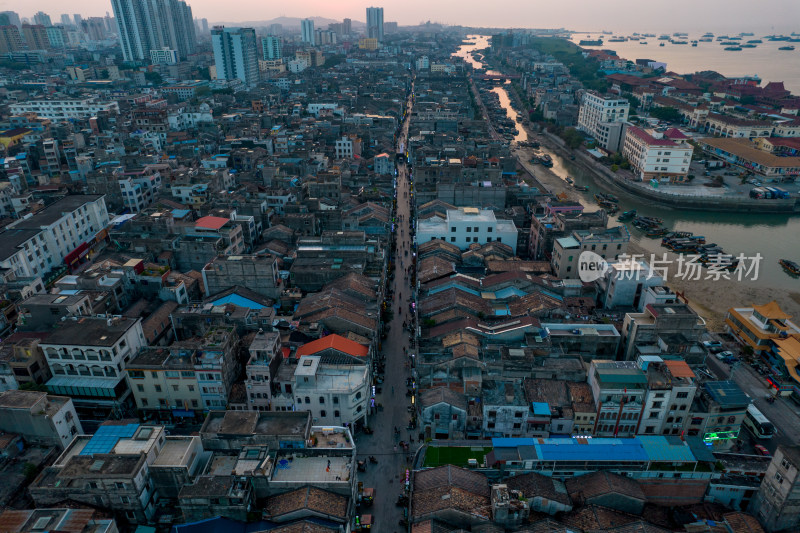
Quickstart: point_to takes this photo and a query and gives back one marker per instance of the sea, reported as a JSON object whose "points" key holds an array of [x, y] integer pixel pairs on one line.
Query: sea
{"points": [[764, 61]]}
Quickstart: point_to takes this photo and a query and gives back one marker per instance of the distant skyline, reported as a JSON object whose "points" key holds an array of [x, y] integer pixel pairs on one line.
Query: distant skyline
{"points": [[613, 15]]}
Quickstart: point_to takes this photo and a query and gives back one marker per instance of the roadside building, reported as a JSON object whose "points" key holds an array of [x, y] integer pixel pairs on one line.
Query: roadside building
{"points": [[660, 156], [775, 503]]}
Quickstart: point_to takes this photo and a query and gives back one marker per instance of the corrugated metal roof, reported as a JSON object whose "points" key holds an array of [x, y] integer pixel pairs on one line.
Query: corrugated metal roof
{"points": [[106, 437]]}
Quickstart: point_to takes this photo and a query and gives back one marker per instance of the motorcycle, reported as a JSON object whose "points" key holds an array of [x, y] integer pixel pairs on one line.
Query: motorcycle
{"points": [[373, 460]]}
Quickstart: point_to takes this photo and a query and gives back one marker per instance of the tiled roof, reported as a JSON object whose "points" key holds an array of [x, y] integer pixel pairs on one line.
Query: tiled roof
{"points": [[536, 485], [211, 222], [602, 483], [335, 342], [310, 498]]}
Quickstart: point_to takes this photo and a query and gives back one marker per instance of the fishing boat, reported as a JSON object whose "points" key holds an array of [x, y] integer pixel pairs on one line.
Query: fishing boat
{"points": [[656, 232], [582, 188], [627, 215], [569, 180], [786, 48], [546, 160], [733, 48], [790, 267], [611, 198], [660, 44]]}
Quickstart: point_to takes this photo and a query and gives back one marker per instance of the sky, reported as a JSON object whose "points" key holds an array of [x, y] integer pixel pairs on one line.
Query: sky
{"points": [[760, 16]]}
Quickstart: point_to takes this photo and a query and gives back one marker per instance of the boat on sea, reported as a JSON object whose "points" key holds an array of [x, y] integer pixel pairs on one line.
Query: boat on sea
{"points": [[627, 215], [786, 48], [546, 160], [790, 267], [569, 180], [661, 44], [656, 232], [694, 43], [733, 48], [642, 42], [582, 188], [590, 42], [755, 41]]}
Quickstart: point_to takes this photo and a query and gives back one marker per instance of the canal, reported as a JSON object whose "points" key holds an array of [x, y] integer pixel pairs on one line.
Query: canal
{"points": [[773, 236]]}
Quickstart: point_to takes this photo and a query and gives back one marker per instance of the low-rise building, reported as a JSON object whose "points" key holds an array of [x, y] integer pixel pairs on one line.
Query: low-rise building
{"points": [[443, 413], [717, 414], [759, 326], [664, 329], [618, 389], [775, 503], [466, 226], [608, 244], [39, 417], [660, 156]]}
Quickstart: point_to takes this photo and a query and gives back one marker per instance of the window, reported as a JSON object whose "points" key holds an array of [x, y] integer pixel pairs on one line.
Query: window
{"points": [[649, 429], [469, 229], [299, 400], [335, 400], [786, 464], [323, 413], [140, 387], [158, 388], [452, 229], [778, 477], [475, 229], [321, 400], [489, 229], [499, 239], [308, 400], [452, 239], [175, 388], [517, 425]]}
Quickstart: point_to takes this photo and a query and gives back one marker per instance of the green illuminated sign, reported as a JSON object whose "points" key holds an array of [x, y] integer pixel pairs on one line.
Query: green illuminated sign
{"points": [[722, 435]]}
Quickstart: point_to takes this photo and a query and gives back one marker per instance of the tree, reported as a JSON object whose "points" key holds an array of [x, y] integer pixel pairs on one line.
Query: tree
{"points": [[203, 73], [669, 114], [153, 77], [572, 138]]}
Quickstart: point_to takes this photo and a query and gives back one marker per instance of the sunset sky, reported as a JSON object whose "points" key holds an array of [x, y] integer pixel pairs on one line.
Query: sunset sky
{"points": [[764, 16]]}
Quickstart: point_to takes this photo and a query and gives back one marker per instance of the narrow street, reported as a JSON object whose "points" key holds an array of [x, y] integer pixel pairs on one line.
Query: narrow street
{"points": [[387, 477]]}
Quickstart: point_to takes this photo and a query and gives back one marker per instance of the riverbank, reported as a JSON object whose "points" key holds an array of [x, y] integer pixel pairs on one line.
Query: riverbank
{"points": [[711, 299]]}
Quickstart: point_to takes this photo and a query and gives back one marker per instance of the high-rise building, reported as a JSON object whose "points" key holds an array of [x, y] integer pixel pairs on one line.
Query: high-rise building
{"points": [[347, 26], [57, 36], [271, 47], [95, 28], [235, 54], [10, 17], [375, 23], [66, 20], [307, 31], [204, 24], [77, 19], [145, 25], [43, 19], [10, 39], [35, 36]]}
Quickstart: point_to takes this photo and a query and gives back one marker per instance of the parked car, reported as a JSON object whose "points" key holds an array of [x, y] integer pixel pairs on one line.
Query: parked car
{"points": [[716, 349], [761, 450], [711, 344], [723, 355]]}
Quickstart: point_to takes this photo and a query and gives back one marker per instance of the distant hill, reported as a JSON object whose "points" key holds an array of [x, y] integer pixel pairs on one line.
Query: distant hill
{"points": [[288, 22]]}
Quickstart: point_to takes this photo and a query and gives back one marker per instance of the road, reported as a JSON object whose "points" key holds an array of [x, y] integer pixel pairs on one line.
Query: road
{"points": [[783, 413], [388, 476]]}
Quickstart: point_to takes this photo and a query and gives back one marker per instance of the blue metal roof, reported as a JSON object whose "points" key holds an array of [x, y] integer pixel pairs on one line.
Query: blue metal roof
{"points": [[594, 450], [541, 408], [671, 449], [106, 437], [239, 301]]}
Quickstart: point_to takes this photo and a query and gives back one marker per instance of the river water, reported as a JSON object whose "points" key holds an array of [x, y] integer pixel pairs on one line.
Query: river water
{"points": [[773, 236]]}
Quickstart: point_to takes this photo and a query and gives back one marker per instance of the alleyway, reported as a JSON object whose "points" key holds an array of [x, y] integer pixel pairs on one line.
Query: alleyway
{"points": [[388, 476]]}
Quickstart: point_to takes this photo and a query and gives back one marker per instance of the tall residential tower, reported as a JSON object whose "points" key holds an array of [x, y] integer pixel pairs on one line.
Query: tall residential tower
{"points": [[145, 25], [375, 23], [235, 54]]}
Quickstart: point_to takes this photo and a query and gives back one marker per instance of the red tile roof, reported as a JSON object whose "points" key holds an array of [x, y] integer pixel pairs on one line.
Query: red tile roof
{"points": [[647, 138], [211, 222], [335, 342], [675, 133]]}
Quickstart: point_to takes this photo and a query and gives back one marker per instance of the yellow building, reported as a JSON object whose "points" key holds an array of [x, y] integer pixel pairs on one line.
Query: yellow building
{"points": [[759, 326], [368, 43], [788, 356], [13, 136]]}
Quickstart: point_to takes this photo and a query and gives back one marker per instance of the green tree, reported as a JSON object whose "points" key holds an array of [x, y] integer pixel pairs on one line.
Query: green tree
{"points": [[572, 138], [670, 114], [29, 470], [203, 73], [153, 77]]}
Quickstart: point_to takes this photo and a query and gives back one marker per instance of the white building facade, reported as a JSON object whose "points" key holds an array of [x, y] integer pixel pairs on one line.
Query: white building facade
{"points": [[466, 226], [653, 155], [59, 109], [597, 112]]}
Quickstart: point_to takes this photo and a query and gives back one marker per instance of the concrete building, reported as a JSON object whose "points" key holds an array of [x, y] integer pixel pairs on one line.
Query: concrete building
{"points": [[717, 414], [466, 226], [145, 25], [88, 355], [618, 389], [165, 56], [608, 244], [625, 282], [307, 31], [259, 273], [775, 504], [556, 223], [35, 36], [235, 54], [45, 310], [759, 326], [63, 232], [22, 361], [271, 48], [655, 155], [168, 383], [664, 329], [10, 39], [348, 147], [443, 413], [383, 164], [39, 417], [671, 390], [602, 117], [63, 108], [265, 358], [375, 23]]}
